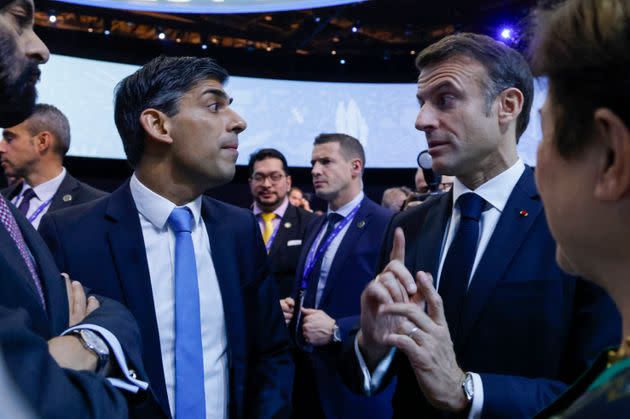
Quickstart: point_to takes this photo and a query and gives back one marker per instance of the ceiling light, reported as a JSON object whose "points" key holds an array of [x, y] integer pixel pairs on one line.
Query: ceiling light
{"points": [[52, 18], [342, 61], [204, 46], [162, 35]]}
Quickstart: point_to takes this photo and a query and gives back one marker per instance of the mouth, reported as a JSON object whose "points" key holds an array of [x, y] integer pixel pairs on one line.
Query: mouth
{"points": [[318, 184], [436, 145]]}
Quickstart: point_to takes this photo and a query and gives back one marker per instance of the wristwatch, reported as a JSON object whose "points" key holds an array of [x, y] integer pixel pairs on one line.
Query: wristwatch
{"points": [[93, 342], [468, 387], [336, 335]]}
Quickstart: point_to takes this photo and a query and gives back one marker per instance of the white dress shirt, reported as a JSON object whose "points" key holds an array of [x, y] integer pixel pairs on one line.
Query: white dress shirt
{"points": [[496, 192], [44, 193], [330, 253], [159, 242]]}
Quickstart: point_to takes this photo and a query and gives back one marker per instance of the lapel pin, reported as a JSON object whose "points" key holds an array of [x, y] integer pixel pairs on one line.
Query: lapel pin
{"points": [[361, 224], [287, 225], [67, 198], [523, 213]]}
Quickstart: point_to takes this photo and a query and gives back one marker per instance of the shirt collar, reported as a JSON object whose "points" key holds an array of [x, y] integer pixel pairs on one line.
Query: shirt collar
{"points": [[156, 208], [278, 211], [46, 190], [347, 209], [497, 190]]}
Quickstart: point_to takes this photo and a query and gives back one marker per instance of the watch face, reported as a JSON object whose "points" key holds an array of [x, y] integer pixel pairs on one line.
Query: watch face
{"points": [[94, 341]]}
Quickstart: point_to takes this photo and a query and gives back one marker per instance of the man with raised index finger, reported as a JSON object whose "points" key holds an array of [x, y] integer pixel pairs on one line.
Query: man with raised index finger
{"points": [[506, 330]]}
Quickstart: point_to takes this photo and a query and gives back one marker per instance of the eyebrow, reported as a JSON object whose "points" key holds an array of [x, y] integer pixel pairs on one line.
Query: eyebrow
{"points": [[427, 92], [216, 92], [28, 7]]}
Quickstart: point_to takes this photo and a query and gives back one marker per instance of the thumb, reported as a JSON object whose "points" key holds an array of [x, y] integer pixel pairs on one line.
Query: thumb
{"points": [[307, 311], [398, 247]]}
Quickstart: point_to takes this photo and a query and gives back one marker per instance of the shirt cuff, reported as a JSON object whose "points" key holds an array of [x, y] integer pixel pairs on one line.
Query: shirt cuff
{"points": [[477, 402], [371, 382], [131, 383]]}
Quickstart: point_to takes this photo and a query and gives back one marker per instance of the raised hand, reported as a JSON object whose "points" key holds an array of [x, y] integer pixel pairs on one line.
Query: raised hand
{"points": [[394, 284], [425, 340]]}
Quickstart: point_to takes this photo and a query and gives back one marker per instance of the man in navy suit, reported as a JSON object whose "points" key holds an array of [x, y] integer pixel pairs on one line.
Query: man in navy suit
{"points": [[34, 151], [336, 263], [58, 346], [191, 269], [506, 330]]}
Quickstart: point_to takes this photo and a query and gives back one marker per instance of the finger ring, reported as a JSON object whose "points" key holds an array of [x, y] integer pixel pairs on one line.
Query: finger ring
{"points": [[412, 331]]}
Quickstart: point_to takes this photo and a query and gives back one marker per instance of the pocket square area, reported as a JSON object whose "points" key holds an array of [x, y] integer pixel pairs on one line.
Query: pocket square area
{"points": [[294, 243]]}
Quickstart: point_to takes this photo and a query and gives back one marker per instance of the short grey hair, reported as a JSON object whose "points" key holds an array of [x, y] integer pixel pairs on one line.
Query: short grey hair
{"points": [[50, 118]]}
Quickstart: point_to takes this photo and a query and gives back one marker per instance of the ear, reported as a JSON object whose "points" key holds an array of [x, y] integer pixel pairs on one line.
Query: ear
{"points": [[357, 167], [289, 182], [156, 125], [510, 105], [43, 141], [613, 179]]}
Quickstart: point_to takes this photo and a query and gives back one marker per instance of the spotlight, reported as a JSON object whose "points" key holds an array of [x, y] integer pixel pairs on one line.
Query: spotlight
{"points": [[161, 35], [506, 33], [333, 52], [204, 46], [52, 18], [317, 19], [107, 32], [342, 61], [355, 29]]}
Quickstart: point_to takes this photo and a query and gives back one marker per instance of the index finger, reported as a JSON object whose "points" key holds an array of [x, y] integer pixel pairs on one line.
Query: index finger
{"points": [[398, 247]]}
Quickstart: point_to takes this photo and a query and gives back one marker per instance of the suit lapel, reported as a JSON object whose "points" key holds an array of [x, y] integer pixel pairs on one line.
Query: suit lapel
{"points": [[429, 245], [347, 246], [509, 234], [64, 196], [53, 284], [226, 265], [126, 243], [289, 219]]}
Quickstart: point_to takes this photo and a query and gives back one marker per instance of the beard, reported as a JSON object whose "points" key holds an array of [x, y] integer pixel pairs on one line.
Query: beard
{"points": [[17, 93]]}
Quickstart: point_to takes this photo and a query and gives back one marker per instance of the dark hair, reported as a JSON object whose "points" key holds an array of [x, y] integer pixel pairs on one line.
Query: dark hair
{"points": [[159, 84], [50, 118], [263, 154], [583, 48], [350, 147], [505, 66]]}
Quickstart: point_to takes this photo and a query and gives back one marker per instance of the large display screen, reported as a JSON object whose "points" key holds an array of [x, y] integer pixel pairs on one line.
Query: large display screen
{"points": [[283, 114]]}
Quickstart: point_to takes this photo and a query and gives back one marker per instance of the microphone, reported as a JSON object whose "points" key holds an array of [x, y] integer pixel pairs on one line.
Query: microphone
{"points": [[425, 162]]}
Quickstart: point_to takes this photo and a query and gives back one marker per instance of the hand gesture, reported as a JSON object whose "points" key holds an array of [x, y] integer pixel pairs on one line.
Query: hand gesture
{"points": [[79, 306], [425, 340], [394, 285]]}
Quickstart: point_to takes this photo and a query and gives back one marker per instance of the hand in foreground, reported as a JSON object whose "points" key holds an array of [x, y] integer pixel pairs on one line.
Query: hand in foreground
{"points": [[394, 285], [70, 353], [288, 305], [80, 306], [425, 340], [317, 327]]}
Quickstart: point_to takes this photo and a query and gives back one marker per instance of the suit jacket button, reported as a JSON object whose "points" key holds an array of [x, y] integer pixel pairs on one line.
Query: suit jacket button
{"points": [[132, 374]]}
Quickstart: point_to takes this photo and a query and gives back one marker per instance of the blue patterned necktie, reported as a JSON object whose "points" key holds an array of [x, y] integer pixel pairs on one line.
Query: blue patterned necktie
{"points": [[190, 400], [459, 260]]}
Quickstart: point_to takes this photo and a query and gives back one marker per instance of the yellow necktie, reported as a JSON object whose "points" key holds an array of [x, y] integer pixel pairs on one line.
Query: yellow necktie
{"points": [[268, 219]]}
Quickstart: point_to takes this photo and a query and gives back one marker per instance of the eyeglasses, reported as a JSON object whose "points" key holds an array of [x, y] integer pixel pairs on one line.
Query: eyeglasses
{"points": [[274, 177]]}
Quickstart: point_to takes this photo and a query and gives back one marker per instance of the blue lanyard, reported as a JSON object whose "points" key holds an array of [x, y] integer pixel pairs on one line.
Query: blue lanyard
{"points": [[39, 209], [314, 255]]}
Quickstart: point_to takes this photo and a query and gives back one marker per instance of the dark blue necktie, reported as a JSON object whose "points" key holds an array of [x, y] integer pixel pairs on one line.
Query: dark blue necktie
{"points": [[311, 291], [190, 400], [460, 259], [25, 204]]}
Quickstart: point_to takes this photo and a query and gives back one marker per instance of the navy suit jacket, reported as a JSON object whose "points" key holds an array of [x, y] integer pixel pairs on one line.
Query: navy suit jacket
{"points": [[108, 251], [351, 269], [529, 329], [70, 192], [25, 328], [284, 258]]}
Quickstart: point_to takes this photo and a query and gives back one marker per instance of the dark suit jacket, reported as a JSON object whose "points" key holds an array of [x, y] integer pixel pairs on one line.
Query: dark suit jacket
{"points": [[108, 251], [25, 328], [70, 192], [528, 328], [352, 268], [284, 253]]}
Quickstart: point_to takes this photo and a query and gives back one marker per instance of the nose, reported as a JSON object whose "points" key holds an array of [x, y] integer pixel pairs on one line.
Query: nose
{"points": [[426, 119], [315, 170], [3, 146], [237, 123], [36, 49]]}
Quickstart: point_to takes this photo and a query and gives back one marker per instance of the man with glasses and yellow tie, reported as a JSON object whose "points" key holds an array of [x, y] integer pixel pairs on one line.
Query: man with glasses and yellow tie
{"points": [[281, 224]]}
